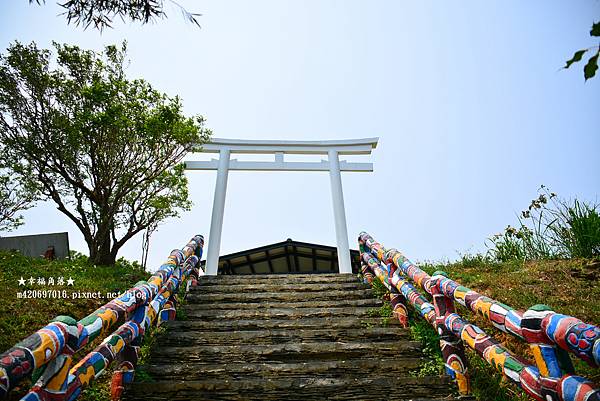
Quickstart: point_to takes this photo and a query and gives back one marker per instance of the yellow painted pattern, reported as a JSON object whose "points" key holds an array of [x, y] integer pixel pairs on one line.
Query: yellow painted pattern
{"points": [[420, 280], [462, 380], [483, 306], [151, 314], [59, 379], [118, 346], [155, 280], [45, 351], [85, 377], [3, 378], [539, 360], [470, 340], [495, 356], [109, 317], [460, 295]]}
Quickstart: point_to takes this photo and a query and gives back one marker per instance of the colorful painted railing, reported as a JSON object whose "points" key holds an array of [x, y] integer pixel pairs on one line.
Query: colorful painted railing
{"points": [[550, 335], [47, 355]]}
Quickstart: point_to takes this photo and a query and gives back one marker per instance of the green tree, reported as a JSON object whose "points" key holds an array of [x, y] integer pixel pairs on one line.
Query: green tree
{"points": [[101, 13], [105, 149]]}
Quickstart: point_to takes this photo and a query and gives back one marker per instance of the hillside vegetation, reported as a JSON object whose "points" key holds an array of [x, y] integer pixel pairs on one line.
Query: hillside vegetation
{"points": [[20, 317]]}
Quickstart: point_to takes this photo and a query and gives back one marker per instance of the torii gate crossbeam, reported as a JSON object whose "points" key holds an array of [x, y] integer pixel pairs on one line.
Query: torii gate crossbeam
{"points": [[225, 147]]}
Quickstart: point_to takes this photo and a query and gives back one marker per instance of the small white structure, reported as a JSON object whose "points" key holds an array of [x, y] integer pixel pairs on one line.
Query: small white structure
{"points": [[225, 147]]}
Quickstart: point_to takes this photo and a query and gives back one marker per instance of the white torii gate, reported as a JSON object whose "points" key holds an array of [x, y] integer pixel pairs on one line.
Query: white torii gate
{"points": [[225, 147]]}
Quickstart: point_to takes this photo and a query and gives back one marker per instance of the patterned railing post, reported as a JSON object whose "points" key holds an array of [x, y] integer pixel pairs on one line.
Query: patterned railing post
{"points": [[124, 374], [397, 299], [570, 334], [552, 362], [367, 272], [127, 358], [53, 375], [453, 350], [516, 369], [371, 269], [399, 308]]}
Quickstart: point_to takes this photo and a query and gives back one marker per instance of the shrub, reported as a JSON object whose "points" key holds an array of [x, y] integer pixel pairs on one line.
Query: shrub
{"points": [[550, 228], [580, 234], [508, 245]]}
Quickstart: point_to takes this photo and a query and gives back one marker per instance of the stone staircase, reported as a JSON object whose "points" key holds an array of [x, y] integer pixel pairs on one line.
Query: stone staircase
{"points": [[285, 337]]}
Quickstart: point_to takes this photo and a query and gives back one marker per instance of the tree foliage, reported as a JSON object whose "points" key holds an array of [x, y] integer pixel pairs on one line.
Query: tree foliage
{"points": [[14, 198], [105, 149], [101, 13], [589, 70]]}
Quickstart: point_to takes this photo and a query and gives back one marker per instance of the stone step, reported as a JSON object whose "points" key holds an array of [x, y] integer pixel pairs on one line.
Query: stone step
{"points": [[308, 303], [205, 296], [340, 368], [307, 388], [274, 287], [285, 337], [288, 352], [333, 322], [281, 336], [193, 313], [279, 279]]}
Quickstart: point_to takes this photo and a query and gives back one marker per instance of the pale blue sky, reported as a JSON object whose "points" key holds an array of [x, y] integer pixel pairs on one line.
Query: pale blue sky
{"points": [[467, 98]]}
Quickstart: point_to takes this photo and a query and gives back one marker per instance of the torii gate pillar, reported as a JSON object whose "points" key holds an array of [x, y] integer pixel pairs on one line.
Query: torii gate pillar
{"points": [[339, 213], [331, 148]]}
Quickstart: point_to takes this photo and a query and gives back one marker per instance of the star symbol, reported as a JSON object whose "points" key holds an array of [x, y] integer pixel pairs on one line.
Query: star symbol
{"points": [[21, 281], [70, 281]]}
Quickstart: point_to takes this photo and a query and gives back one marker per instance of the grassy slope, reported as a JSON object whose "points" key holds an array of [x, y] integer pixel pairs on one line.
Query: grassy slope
{"points": [[21, 317], [568, 286]]}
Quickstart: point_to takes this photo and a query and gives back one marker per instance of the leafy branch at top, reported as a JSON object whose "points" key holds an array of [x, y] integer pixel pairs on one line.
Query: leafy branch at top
{"points": [[100, 13], [592, 65]]}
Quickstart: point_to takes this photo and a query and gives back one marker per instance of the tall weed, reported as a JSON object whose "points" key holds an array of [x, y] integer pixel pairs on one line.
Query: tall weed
{"points": [[550, 228], [579, 236]]}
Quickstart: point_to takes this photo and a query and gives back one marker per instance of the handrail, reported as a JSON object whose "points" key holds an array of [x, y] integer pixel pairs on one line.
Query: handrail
{"points": [[550, 335], [47, 354]]}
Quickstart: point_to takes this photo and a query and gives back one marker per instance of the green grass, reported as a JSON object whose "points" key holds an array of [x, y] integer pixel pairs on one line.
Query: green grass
{"points": [[568, 286], [423, 332], [378, 288], [34, 313]]}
